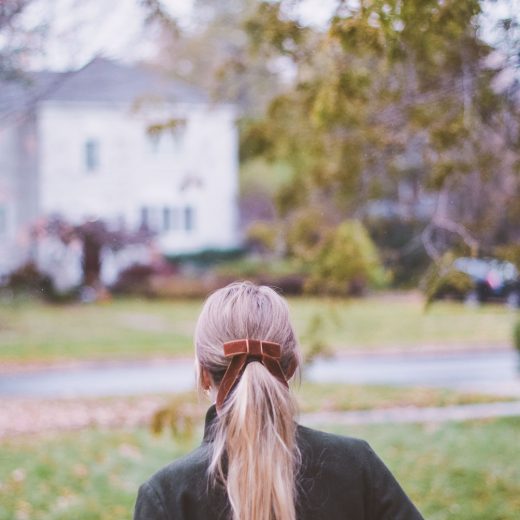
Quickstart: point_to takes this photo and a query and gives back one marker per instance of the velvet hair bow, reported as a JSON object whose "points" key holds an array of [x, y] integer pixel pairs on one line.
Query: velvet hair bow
{"points": [[244, 351]]}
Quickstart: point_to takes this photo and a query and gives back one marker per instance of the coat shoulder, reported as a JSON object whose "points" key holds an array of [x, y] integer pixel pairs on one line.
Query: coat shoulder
{"points": [[181, 490], [335, 446], [182, 472]]}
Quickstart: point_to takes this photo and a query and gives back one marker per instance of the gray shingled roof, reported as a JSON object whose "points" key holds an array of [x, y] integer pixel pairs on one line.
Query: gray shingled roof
{"points": [[101, 80]]}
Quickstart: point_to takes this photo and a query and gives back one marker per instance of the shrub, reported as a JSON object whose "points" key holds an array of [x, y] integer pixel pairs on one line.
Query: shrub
{"points": [[345, 262], [262, 237], [161, 286], [287, 284], [283, 274], [28, 278], [400, 248], [137, 279], [30, 281], [134, 280], [304, 233], [453, 284]]}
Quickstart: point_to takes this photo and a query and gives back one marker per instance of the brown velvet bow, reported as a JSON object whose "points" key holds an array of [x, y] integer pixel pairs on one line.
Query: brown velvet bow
{"points": [[242, 352]]}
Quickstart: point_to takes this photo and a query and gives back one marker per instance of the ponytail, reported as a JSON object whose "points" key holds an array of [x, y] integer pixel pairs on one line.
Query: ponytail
{"points": [[255, 435]]}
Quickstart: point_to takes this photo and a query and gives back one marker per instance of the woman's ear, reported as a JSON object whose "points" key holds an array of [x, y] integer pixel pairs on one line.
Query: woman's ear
{"points": [[205, 379]]}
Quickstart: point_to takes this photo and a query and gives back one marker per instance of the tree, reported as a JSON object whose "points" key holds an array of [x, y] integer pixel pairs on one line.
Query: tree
{"points": [[90, 237], [393, 95], [17, 39], [213, 53]]}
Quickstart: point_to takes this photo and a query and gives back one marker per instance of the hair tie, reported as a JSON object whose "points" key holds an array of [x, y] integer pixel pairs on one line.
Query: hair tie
{"points": [[242, 352]]}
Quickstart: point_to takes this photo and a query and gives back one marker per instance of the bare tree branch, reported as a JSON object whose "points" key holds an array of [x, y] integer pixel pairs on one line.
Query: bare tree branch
{"points": [[460, 230]]}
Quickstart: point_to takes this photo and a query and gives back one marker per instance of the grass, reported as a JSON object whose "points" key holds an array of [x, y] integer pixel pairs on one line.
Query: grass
{"points": [[384, 322], [468, 471], [90, 475], [131, 328], [316, 397], [31, 330]]}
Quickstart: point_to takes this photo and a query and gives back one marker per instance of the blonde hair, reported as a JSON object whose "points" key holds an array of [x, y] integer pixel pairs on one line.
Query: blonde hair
{"points": [[255, 455]]}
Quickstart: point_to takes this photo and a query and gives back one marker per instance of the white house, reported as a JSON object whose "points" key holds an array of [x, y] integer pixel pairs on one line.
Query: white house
{"points": [[78, 145]]}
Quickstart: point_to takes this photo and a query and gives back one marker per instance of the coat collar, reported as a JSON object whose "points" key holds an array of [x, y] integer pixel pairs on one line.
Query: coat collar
{"points": [[209, 424]]}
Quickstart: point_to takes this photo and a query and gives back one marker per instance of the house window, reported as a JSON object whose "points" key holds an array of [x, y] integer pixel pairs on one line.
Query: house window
{"points": [[170, 218], [175, 218], [92, 155], [189, 218], [154, 141], [145, 218], [167, 219]]}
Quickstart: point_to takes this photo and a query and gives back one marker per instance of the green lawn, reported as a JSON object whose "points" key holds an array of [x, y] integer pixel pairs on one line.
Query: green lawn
{"points": [[335, 397], [86, 475], [467, 471], [135, 328], [463, 471]]}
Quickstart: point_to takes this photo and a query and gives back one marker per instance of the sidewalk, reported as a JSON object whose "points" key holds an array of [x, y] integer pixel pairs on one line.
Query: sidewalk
{"points": [[19, 416], [417, 415]]}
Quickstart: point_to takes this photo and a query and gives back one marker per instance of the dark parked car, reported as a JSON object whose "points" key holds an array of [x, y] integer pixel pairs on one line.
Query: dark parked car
{"points": [[492, 280]]}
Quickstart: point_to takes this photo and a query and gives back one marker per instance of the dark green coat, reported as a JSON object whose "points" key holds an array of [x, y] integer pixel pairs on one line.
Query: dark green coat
{"points": [[340, 478]]}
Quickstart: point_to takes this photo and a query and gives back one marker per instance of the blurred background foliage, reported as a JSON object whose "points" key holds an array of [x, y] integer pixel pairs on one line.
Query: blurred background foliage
{"points": [[397, 105], [396, 120], [399, 119]]}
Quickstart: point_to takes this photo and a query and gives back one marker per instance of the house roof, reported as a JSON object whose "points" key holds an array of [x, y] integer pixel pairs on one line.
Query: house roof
{"points": [[20, 94], [101, 80]]}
